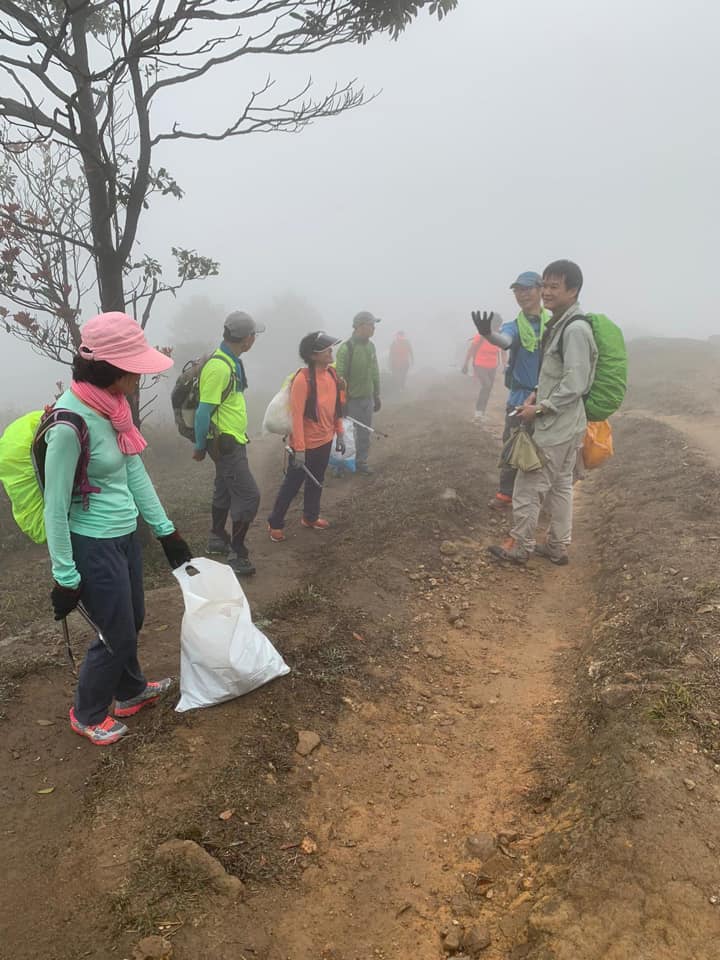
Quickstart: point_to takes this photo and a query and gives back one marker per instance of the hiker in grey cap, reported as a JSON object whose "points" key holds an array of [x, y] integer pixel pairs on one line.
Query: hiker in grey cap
{"points": [[221, 431], [357, 364]]}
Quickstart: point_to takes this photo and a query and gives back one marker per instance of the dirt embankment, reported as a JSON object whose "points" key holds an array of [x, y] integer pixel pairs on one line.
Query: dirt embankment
{"points": [[511, 763]]}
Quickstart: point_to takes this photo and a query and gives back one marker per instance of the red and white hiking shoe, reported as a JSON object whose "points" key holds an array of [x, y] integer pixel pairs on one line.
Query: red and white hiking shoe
{"points": [[501, 502], [318, 524], [510, 550], [101, 734], [150, 695], [277, 536]]}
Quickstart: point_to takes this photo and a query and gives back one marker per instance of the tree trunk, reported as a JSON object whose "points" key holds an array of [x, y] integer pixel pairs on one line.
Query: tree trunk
{"points": [[108, 262]]}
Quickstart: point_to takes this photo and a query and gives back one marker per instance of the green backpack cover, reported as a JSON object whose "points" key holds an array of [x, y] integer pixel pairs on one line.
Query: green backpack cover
{"points": [[607, 392], [18, 476], [22, 466]]}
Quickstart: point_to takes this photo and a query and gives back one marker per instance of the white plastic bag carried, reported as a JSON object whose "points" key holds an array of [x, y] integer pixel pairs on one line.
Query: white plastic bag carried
{"points": [[347, 460], [223, 654], [278, 418]]}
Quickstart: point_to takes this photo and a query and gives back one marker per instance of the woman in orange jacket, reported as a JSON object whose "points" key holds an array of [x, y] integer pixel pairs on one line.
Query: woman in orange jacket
{"points": [[316, 408]]}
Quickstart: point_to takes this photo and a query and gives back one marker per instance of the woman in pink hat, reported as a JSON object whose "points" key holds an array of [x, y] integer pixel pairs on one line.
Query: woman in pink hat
{"points": [[94, 549]]}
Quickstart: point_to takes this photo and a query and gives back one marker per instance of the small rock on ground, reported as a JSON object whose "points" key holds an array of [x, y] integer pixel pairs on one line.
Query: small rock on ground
{"points": [[475, 940], [153, 948], [192, 856], [308, 741], [481, 845], [452, 940]]}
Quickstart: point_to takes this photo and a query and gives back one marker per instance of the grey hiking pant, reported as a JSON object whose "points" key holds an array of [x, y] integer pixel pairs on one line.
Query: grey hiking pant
{"points": [[361, 408], [507, 474], [553, 484], [235, 488]]}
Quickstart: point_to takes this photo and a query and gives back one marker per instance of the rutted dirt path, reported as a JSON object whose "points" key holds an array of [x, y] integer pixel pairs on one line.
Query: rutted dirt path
{"points": [[448, 796]]}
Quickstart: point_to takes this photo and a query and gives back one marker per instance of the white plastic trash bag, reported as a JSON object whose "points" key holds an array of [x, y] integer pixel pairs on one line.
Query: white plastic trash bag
{"points": [[223, 654], [347, 460], [278, 418]]}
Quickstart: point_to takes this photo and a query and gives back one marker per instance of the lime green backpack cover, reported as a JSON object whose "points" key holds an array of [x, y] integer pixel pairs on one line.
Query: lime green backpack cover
{"points": [[18, 476], [607, 392]]}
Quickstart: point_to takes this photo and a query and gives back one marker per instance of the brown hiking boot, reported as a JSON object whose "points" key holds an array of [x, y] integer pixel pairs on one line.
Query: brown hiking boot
{"points": [[509, 550], [557, 554]]}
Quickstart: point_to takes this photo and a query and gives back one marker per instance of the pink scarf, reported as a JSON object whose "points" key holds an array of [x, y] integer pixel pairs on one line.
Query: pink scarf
{"points": [[116, 408]]}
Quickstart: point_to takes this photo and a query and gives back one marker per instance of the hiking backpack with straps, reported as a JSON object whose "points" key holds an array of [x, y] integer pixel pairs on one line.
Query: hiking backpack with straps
{"points": [[22, 466], [278, 417], [607, 391], [186, 393]]}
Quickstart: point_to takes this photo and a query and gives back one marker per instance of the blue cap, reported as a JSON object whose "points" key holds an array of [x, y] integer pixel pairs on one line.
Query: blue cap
{"points": [[527, 279]]}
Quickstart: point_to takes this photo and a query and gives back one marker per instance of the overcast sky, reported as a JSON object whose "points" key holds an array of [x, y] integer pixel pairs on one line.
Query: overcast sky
{"points": [[508, 135]]}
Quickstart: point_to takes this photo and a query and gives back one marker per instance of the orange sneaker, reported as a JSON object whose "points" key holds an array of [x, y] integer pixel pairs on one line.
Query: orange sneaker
{"points": [[318, 524], [277, 536], [154, 689], [501, 502], [510, 550], [101, 734]]}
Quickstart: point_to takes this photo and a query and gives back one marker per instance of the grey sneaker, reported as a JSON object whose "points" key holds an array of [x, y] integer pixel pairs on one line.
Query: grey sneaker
{"points": [[101, 734], [509, 550], [364, 470], [243, 566], [150, 695], [218, 545], [557, 555]]}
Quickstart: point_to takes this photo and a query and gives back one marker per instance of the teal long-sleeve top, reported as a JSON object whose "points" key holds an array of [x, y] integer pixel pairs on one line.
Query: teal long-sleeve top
{"points": [[126, 490]]}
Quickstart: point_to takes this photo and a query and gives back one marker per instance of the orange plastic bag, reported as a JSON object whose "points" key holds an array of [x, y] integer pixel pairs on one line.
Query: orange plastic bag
{"points": [[598, 443]]}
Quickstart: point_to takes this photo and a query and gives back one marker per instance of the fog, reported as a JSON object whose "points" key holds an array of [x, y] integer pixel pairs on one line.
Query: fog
{"points": [[504, 137]]}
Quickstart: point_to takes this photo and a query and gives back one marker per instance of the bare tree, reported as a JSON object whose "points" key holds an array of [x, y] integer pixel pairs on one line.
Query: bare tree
{"points": [[86, 74]]}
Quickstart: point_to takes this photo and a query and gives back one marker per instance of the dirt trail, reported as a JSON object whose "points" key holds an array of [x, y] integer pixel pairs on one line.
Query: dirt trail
{"points": [[453, 700]]}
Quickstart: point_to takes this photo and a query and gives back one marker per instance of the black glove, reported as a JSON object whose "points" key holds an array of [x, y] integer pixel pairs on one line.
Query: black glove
{"points": [[340, 445], [377, 406], [176, 550], [65, 599], [483, 321]]}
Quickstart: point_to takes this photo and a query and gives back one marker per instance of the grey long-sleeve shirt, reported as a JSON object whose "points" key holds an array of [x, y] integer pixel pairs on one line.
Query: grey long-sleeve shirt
{"points": [[566, 375]]}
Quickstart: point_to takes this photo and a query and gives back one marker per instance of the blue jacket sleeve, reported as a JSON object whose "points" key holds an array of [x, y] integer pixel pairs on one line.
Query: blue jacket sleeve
{"points": [[202, 424]]}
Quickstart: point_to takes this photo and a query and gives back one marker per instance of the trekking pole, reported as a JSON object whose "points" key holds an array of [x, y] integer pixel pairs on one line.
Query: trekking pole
{"points": [[366, 427], [71, 658], [312, 476], [91, 623]]}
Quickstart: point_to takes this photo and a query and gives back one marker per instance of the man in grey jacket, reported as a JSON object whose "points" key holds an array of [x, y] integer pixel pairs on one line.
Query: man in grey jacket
{"points": [[556, 413]]}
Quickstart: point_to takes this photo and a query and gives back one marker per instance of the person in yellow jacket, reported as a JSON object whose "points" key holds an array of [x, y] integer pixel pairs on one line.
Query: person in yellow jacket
{"points": [[221, 431]]}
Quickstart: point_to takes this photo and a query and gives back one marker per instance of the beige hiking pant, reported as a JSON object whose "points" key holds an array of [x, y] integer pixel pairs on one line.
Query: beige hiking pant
{"points": [[552, 485]]}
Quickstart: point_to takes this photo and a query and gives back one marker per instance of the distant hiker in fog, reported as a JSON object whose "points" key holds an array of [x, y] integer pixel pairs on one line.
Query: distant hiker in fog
{"points": [[401, 359], [316, 409], [484, 357], [221, 430], [521, 337], [357, 365], [94, 548], [557, 414]]}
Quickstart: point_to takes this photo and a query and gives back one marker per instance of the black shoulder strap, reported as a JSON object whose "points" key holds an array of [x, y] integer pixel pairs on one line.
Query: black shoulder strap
{"points": [[49, 420], [233, 375]]}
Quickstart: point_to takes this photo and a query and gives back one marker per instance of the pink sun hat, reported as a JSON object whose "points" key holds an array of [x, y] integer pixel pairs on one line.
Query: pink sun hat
{"points": [[118, 339]]}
